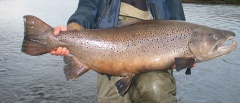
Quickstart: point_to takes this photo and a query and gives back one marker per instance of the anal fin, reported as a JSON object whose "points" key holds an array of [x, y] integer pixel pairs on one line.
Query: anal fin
{"points": [[73, 68], [124, 84]]}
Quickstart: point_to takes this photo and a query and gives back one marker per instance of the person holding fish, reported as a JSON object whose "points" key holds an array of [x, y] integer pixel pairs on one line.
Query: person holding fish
{"points": [[149, 87]]}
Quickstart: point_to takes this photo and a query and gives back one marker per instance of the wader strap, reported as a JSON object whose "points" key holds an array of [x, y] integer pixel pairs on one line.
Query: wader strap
{"points": [[158, 9]]}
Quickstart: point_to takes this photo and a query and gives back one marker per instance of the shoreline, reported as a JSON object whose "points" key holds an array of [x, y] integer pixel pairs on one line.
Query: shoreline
{"points": [[212, 1]]}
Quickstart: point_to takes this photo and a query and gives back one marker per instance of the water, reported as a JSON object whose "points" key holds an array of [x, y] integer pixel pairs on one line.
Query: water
{"points": [[214, 81], [27, 79]]}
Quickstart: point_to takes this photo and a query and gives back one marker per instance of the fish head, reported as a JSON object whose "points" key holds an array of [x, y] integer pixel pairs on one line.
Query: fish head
{"points": [[209, 43]]}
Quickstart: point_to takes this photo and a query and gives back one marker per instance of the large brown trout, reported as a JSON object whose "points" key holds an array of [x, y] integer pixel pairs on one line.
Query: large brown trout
{"points": [[129, 50]]}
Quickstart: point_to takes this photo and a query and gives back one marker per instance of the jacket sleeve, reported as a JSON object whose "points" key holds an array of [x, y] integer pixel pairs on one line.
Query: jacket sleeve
{"points": [[85, 14], [175, 10], [166, 9]]}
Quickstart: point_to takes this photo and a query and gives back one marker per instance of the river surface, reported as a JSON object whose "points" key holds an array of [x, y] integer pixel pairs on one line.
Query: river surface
{"points": [[28, 79]]}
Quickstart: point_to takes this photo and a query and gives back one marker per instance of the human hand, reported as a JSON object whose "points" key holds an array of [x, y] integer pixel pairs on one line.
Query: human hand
{"points": [[174, 66], [58, 29], [62, 51]]}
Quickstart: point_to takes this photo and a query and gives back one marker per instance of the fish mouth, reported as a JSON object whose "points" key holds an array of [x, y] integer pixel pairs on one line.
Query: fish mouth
{"points": [[226, 45]]}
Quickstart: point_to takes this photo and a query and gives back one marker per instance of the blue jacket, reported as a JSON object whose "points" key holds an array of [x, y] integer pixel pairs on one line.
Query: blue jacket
{"points": [[104, 13]]}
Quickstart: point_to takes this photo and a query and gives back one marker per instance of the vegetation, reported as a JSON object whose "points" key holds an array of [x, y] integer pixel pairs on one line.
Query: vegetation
{"points": [[213, 1]]}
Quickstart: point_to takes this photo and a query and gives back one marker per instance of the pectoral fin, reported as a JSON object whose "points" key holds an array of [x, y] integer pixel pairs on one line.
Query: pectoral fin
{"points": [[184, 62], [73, 68], [123, 84]]}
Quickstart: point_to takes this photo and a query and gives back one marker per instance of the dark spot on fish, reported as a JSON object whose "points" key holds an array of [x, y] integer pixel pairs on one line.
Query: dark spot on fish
{"points": [[152, 40]]}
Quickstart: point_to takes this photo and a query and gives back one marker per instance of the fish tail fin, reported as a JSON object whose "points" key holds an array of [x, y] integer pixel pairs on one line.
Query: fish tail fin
{"points": [[35, 35], [73, 68]]}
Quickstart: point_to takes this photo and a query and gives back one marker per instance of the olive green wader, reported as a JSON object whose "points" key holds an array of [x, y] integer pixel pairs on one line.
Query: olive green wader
{"points": [[150, 87]]}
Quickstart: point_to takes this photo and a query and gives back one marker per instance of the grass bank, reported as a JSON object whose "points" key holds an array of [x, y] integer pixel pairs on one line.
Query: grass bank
{"points": [[213, 1]]}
